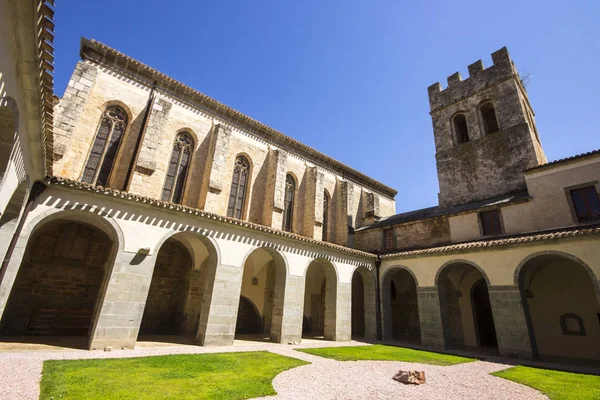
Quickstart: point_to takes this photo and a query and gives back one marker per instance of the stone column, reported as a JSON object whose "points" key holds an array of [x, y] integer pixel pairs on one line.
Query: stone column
{"points": [[341, 212], [340, 329], [430, 317], [313, 203], [122, 300], [510, 322], [220, 307], [215, 170], [287, 319], [70, 107], [275, 189]]}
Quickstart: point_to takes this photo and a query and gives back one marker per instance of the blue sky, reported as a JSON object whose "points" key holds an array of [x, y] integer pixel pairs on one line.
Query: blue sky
{"points": [[350, 78]]}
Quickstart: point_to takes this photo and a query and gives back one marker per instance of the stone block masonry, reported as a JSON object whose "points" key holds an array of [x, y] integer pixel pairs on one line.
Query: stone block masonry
{"points": [[430, 318]]}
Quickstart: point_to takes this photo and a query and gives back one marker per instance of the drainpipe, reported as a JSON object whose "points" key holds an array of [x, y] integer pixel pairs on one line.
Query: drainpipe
{"points": [[37, 189], [140, 137], [378, 299]]}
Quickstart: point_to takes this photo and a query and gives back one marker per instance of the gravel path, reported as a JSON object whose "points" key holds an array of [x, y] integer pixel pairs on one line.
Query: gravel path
{"points": [[20, 374]]}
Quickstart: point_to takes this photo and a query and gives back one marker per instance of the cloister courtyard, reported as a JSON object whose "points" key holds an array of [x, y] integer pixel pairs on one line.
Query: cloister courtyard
{"points": [[168, 367]]}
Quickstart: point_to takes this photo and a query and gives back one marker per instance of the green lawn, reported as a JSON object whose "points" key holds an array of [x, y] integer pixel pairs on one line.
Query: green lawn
{"points": [[189, 376], [380, 352], [557, 385]]}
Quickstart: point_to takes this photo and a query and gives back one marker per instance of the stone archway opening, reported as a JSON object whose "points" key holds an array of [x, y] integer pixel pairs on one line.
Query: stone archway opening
{"points": [[364, 307], [467, 318], [320, 292], [58, 290], [561, 300], [400, 307], [260, 312], [175, 305]]}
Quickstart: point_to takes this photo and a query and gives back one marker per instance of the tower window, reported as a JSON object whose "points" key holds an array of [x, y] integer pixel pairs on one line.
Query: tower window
{"points": [[239, 184], [586, 204], [288, 212], [178, 168], [325, 214], [460, 129], [490, 223], [104, 149], [488, 116]]}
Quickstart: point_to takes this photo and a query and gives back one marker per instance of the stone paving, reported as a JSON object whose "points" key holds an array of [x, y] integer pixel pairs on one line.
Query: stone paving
{"points": [[21, 367]]}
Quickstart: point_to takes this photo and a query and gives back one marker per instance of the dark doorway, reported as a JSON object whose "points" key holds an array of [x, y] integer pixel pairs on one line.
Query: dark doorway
{"points": [[248, 318], [482, 311], [358, 306]]}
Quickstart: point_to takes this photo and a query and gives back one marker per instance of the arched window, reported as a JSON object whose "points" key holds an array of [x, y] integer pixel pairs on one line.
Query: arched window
{"points": [[239, 184], [488, 116], [178, 168], [288, 212], [325, 215], [460, 129], [105, 147]]}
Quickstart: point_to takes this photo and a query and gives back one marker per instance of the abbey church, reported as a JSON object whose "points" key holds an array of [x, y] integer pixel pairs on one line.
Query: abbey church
{"points": [[135, 206]]}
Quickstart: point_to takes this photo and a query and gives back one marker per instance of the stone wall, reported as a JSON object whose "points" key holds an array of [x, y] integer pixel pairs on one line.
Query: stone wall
{"points": [[218, 142], [487, 165]]}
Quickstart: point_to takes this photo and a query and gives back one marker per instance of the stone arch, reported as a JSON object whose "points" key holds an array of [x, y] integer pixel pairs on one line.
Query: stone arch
{"points": [[488, 117], [320, 298], [464, 323], [364, 304], [264, 279], [440, 271], [551, 284], [460, 127], [197, 281], [60, 287], [400, 309]]}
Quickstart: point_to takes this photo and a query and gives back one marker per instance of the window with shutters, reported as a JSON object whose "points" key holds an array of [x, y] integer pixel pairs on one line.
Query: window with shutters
{"points": [[490, 223], [105, 147], [288, 211], [239, 186], [586, 203], [325, 215], [388, 239], [178, 168]]}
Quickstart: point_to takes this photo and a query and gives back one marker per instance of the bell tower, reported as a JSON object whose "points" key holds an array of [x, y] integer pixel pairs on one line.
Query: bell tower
{"points": [[485, 134]]}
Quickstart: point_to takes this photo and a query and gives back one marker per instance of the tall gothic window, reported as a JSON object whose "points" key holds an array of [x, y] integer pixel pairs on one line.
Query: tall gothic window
{"points": [[239, 185], [288, 212], [325, 215], [178, 168], [105, 147]]}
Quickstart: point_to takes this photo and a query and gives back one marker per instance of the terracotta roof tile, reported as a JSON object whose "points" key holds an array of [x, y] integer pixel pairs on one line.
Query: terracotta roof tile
{"points": [[59, 181]]}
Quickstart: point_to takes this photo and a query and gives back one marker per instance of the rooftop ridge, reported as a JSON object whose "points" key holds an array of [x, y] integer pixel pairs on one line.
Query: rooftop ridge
{"points": [[564, 160], [530, 237], [170, 84]]}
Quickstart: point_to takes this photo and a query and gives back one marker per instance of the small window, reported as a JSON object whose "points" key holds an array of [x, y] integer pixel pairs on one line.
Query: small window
{"points": [[106, 144], [288, 212], [388, 239], [178, 168], [239, 185], [572, 325], [460, 129], [586, 204], [488, 116], [490, 223]]}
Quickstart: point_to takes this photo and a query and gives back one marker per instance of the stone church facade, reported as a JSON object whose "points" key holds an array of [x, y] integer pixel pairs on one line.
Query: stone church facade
{"points": [[159, 211]]}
